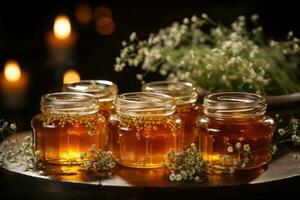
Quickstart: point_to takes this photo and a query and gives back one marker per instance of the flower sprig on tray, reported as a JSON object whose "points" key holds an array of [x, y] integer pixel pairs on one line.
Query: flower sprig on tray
{"points": [[13, 152], [185, 165], [98, 160], [289, 133]]}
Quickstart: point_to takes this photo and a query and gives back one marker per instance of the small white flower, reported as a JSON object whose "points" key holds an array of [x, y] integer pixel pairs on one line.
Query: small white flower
{"points": [[124, 43], [186, 20], [254, 17], [281, 131], [13, 126], [229, 149], [133, 36], [178, 177], [204, 16], [274, 149], [194, 18], [247, 147], [139, 77], [296, 156], [172, 177]]}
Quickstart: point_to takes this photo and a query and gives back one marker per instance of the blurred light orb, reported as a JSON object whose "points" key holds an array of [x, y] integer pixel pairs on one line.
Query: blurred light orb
{"points": [[84, 14], [62, 27], [105, 26], [12, 71], [102, 11], [71, 76]]}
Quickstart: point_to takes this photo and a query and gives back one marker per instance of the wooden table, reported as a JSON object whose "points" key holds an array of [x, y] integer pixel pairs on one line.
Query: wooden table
{"points": [[280, 179]]}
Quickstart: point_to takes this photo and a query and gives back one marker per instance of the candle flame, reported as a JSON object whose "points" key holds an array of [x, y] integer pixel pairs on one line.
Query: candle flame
{"points": [[62, 27], [12, 71], [71, 76]]}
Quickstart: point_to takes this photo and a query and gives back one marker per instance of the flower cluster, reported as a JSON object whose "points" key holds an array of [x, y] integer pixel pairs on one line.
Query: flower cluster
{"points": [[99, 160], [289, 133], [229, 163], [185, 165], [216, 57], [23, 155], [6, 128]]}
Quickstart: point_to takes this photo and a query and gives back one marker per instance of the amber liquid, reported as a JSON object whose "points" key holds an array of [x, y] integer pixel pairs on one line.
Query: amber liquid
{"points": [[63, 143], [215, 136], [141, 142], [188, 114]]}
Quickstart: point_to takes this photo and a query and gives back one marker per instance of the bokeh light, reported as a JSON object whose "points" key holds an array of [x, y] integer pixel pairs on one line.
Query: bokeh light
{"points": [[71, 76], [105, 26], [12, 71], [84, 14], [62, 27]]}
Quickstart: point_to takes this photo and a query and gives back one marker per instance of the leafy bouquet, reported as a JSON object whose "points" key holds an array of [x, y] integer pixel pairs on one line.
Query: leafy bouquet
{"points": [[217, 58]]}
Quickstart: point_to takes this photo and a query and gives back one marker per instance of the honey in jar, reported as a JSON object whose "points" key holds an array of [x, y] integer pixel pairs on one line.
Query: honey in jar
{"points": [[69, 124], [186, 107], [105, 92], [234, 131], [144, 128]]}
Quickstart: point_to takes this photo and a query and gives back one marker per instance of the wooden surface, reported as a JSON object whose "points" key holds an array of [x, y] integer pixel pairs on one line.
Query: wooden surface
{"points": [[280, 178]]}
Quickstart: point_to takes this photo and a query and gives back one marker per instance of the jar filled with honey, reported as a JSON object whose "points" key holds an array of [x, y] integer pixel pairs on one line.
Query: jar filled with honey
{"points": [[185, 96], [234, 132], [105, 92], [69, 124], [144, 128]]}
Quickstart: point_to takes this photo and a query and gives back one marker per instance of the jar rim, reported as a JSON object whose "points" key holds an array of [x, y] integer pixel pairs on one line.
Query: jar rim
{"points": [[69, 103], [234, 104], [104, 90], [183, 92], [145, 104]]}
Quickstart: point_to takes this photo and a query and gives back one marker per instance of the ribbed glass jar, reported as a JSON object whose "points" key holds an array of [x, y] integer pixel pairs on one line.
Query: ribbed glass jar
{"points": [[144, 129], [186, 107], [105, 91], [234, 131], [68, 125]]}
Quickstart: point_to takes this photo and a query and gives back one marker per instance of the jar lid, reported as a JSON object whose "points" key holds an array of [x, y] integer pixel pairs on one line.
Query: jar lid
{"points": [[69, 103], [234, 104], [145, 103], [103, 90], [183, 92]]}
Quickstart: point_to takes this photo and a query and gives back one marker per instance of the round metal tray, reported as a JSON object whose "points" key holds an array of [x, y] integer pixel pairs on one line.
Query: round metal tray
{"points": [[280, 178]]}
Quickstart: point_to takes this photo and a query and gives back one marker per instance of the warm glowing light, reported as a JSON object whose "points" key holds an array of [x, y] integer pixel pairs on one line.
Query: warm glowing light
{"points": [[71, 76], [84, 14], [102, 12], [105, 26], [71, 156], [12, 71], [62, 27]]}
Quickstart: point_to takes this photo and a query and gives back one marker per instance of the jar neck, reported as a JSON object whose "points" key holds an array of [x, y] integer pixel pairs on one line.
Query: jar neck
{"points": [[145, 104], [183, 92], [104, 90], [234, 105], [70, 103]]}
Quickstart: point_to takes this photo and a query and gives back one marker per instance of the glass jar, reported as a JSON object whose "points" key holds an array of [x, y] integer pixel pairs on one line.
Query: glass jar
{"points": [[234, 132], [67, 126], [105, 92], [144, 129], [186, 96]]}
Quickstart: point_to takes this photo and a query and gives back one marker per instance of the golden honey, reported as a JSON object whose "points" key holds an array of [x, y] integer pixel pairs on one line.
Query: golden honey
{"points": [[234, 131], [186, 107], [68, 126], [105, 92], [144, 129]]}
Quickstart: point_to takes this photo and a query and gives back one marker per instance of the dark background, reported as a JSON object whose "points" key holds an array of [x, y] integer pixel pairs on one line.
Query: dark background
{"points": [[24, 24]]}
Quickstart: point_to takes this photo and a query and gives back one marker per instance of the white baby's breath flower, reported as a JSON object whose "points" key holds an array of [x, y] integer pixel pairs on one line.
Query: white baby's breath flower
{"points": [[172, 177], [204, 16], [281, 131], [254, 17], [229, 149], [238, 145], [133, 36], [247, 147]]}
